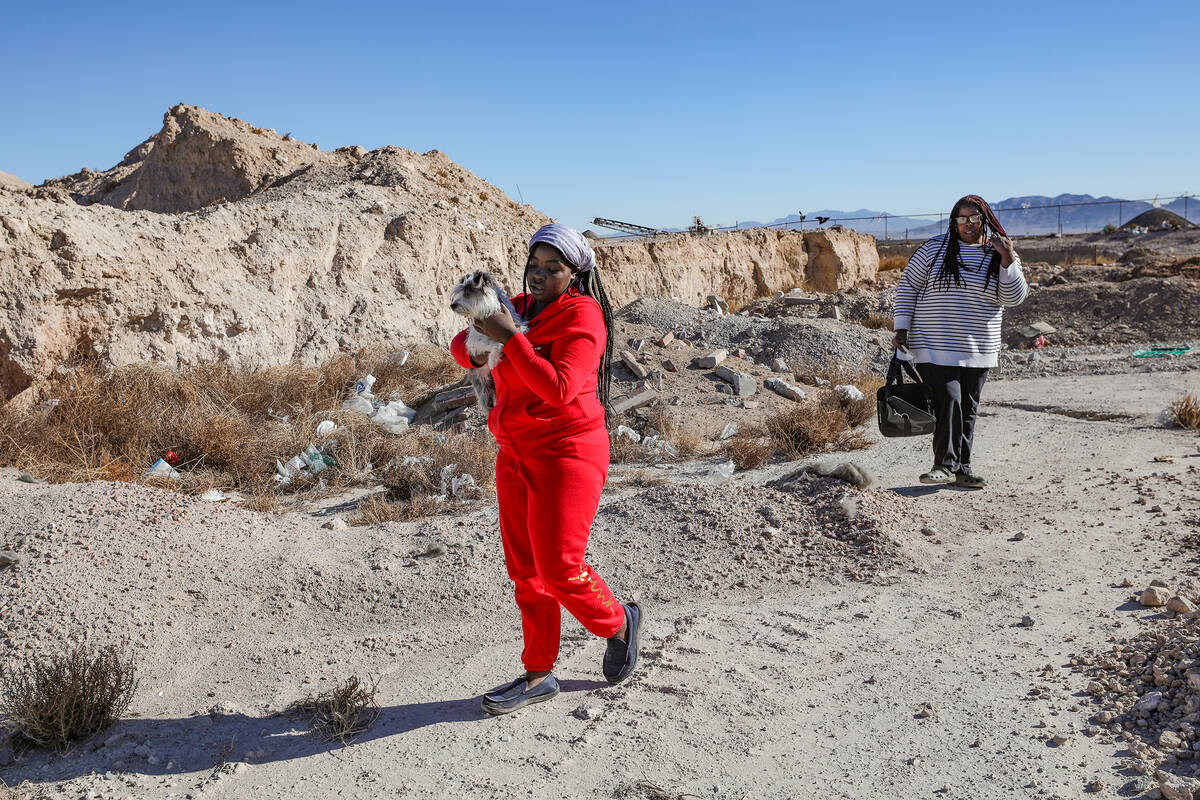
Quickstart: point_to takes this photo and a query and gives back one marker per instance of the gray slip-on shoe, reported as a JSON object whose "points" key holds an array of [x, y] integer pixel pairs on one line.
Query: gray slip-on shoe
{"points": [[512, 696], [621, 656]]}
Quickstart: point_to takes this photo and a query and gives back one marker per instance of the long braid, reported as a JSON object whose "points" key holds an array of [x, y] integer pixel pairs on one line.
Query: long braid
{"points": [[590, 284], [950, 270]]}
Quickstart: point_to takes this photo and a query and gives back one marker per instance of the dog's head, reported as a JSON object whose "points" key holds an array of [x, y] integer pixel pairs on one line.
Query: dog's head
{"points": [[476, 295]]}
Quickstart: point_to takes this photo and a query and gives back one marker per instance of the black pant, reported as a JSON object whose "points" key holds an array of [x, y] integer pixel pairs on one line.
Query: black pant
{"points": [[956, 393]]}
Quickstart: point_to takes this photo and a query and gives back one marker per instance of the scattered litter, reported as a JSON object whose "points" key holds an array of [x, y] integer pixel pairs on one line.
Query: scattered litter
{"points": [[161, 469], [628, 433], [849, 392], [394, 417], [1161, 352], [171, 457], [1164, 459], [214, 496], [723, 473], [278, 417], [326, 427], [658, 446], [359, 405], [456, 487], [729, 431], [365, 385]]}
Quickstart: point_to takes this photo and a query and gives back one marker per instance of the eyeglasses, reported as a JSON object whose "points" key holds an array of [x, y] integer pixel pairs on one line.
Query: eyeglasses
{"points": [[974, 219]]}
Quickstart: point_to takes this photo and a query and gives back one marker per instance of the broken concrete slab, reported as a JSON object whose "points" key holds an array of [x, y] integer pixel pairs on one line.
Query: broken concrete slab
{"points": [[642, 398], [784, 389], [631, 362], [1036, 329], [712, 359], [743, 384]]}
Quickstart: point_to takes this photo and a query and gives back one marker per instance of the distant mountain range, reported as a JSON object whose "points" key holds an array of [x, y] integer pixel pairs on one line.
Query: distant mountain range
{"points": [[1020, 216]]}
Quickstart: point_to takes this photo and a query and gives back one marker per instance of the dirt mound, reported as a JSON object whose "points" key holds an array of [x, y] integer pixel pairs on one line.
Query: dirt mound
{"points": [[198, 158], [1159, 218], [1160, 310], [12, 183], [217, 240]]}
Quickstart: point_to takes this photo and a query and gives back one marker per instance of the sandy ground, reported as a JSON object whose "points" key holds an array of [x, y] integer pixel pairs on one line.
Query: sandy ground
{"points": [[769, 670]]}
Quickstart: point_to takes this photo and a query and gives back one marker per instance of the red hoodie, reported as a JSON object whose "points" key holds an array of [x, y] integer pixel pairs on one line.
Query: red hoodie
{"points": [[546, 378]]}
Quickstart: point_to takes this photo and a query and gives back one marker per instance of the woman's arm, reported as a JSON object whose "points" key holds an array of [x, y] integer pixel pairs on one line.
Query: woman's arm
{"points": [[458, 349], [1013, 288], [916, 273]]}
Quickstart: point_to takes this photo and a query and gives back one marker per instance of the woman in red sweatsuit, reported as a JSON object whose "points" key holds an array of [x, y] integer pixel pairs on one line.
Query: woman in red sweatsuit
{"points": [[551, 389]]}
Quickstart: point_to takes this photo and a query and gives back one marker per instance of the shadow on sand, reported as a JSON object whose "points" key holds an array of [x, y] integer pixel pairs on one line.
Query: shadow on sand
{"points": [[204, 742]]}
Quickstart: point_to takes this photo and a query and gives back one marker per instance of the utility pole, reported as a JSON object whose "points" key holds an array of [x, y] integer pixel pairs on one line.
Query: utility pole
{"points": [[1060, 221], [885, 227]]}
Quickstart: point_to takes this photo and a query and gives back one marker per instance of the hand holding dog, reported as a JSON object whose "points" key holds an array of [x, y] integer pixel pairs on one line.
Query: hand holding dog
{"points": [[498, 327]]}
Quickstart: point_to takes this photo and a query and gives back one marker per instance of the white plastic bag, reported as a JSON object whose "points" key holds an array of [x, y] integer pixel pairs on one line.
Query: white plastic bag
{"points": [[393, 417]]}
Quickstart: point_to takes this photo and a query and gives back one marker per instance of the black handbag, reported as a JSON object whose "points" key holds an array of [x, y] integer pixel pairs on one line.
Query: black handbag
{"points": [[904, 409]]}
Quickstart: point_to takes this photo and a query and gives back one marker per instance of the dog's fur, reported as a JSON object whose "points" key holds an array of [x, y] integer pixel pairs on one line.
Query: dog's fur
{"points": [[476, 296]]}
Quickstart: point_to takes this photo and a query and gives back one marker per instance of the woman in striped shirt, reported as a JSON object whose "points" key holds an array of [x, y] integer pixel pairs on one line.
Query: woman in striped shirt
{"points": [[947, 320]]}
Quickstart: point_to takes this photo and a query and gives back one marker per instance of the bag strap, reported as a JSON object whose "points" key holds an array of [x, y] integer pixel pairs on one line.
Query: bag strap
{"points": [[896, 369]]}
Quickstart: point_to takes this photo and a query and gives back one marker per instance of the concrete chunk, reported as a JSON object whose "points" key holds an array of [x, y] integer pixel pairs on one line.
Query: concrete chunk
{"points": [[743, 384], [784, 389], [643, 398], [712, 359], [630, 361], [793, 300]]}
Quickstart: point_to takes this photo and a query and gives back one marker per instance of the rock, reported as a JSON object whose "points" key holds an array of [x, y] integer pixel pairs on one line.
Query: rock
{"points": [[1180, 605], [1019, 536], [1058, 739], [717, 304], [589, 712], [1176, 787], [779, 365], [643, 398], [793, 300], [669, 365], [1104, 717], [1148, 702], [9, 558], [1138, 785], [665, 339], [1095, 785], [743, 385], [1160, 582], [784, 389], [848, 392], [1036, 329], [631, 363], [771, 516], [335, 524], [1169, 740], [25, 477], [712, 359], [434, 550], [1026, 621], [929, 531], [1155, 596]]}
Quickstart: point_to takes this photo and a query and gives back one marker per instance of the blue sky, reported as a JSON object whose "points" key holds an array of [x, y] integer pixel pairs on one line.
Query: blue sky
{"points": [[648, 112]]}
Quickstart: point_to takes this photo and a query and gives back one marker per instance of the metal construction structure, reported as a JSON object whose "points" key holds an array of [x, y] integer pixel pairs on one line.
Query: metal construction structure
{"points": [[626, 227]]}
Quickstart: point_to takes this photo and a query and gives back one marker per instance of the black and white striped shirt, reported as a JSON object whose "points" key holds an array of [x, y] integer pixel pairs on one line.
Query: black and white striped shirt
{"points": [[958, 325]]}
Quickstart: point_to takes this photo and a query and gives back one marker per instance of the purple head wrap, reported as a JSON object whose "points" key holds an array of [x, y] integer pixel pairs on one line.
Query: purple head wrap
{"points": [[568, 241]]}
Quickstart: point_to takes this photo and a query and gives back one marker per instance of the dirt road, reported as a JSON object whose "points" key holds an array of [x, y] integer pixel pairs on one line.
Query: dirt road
{"points": [[919, 680]]}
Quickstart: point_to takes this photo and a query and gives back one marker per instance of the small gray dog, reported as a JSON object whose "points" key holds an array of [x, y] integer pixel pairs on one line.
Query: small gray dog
{"points": [[476, 296]]}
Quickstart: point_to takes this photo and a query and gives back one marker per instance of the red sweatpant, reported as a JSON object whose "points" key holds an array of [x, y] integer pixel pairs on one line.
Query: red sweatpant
{"points": [[548, 499]]}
